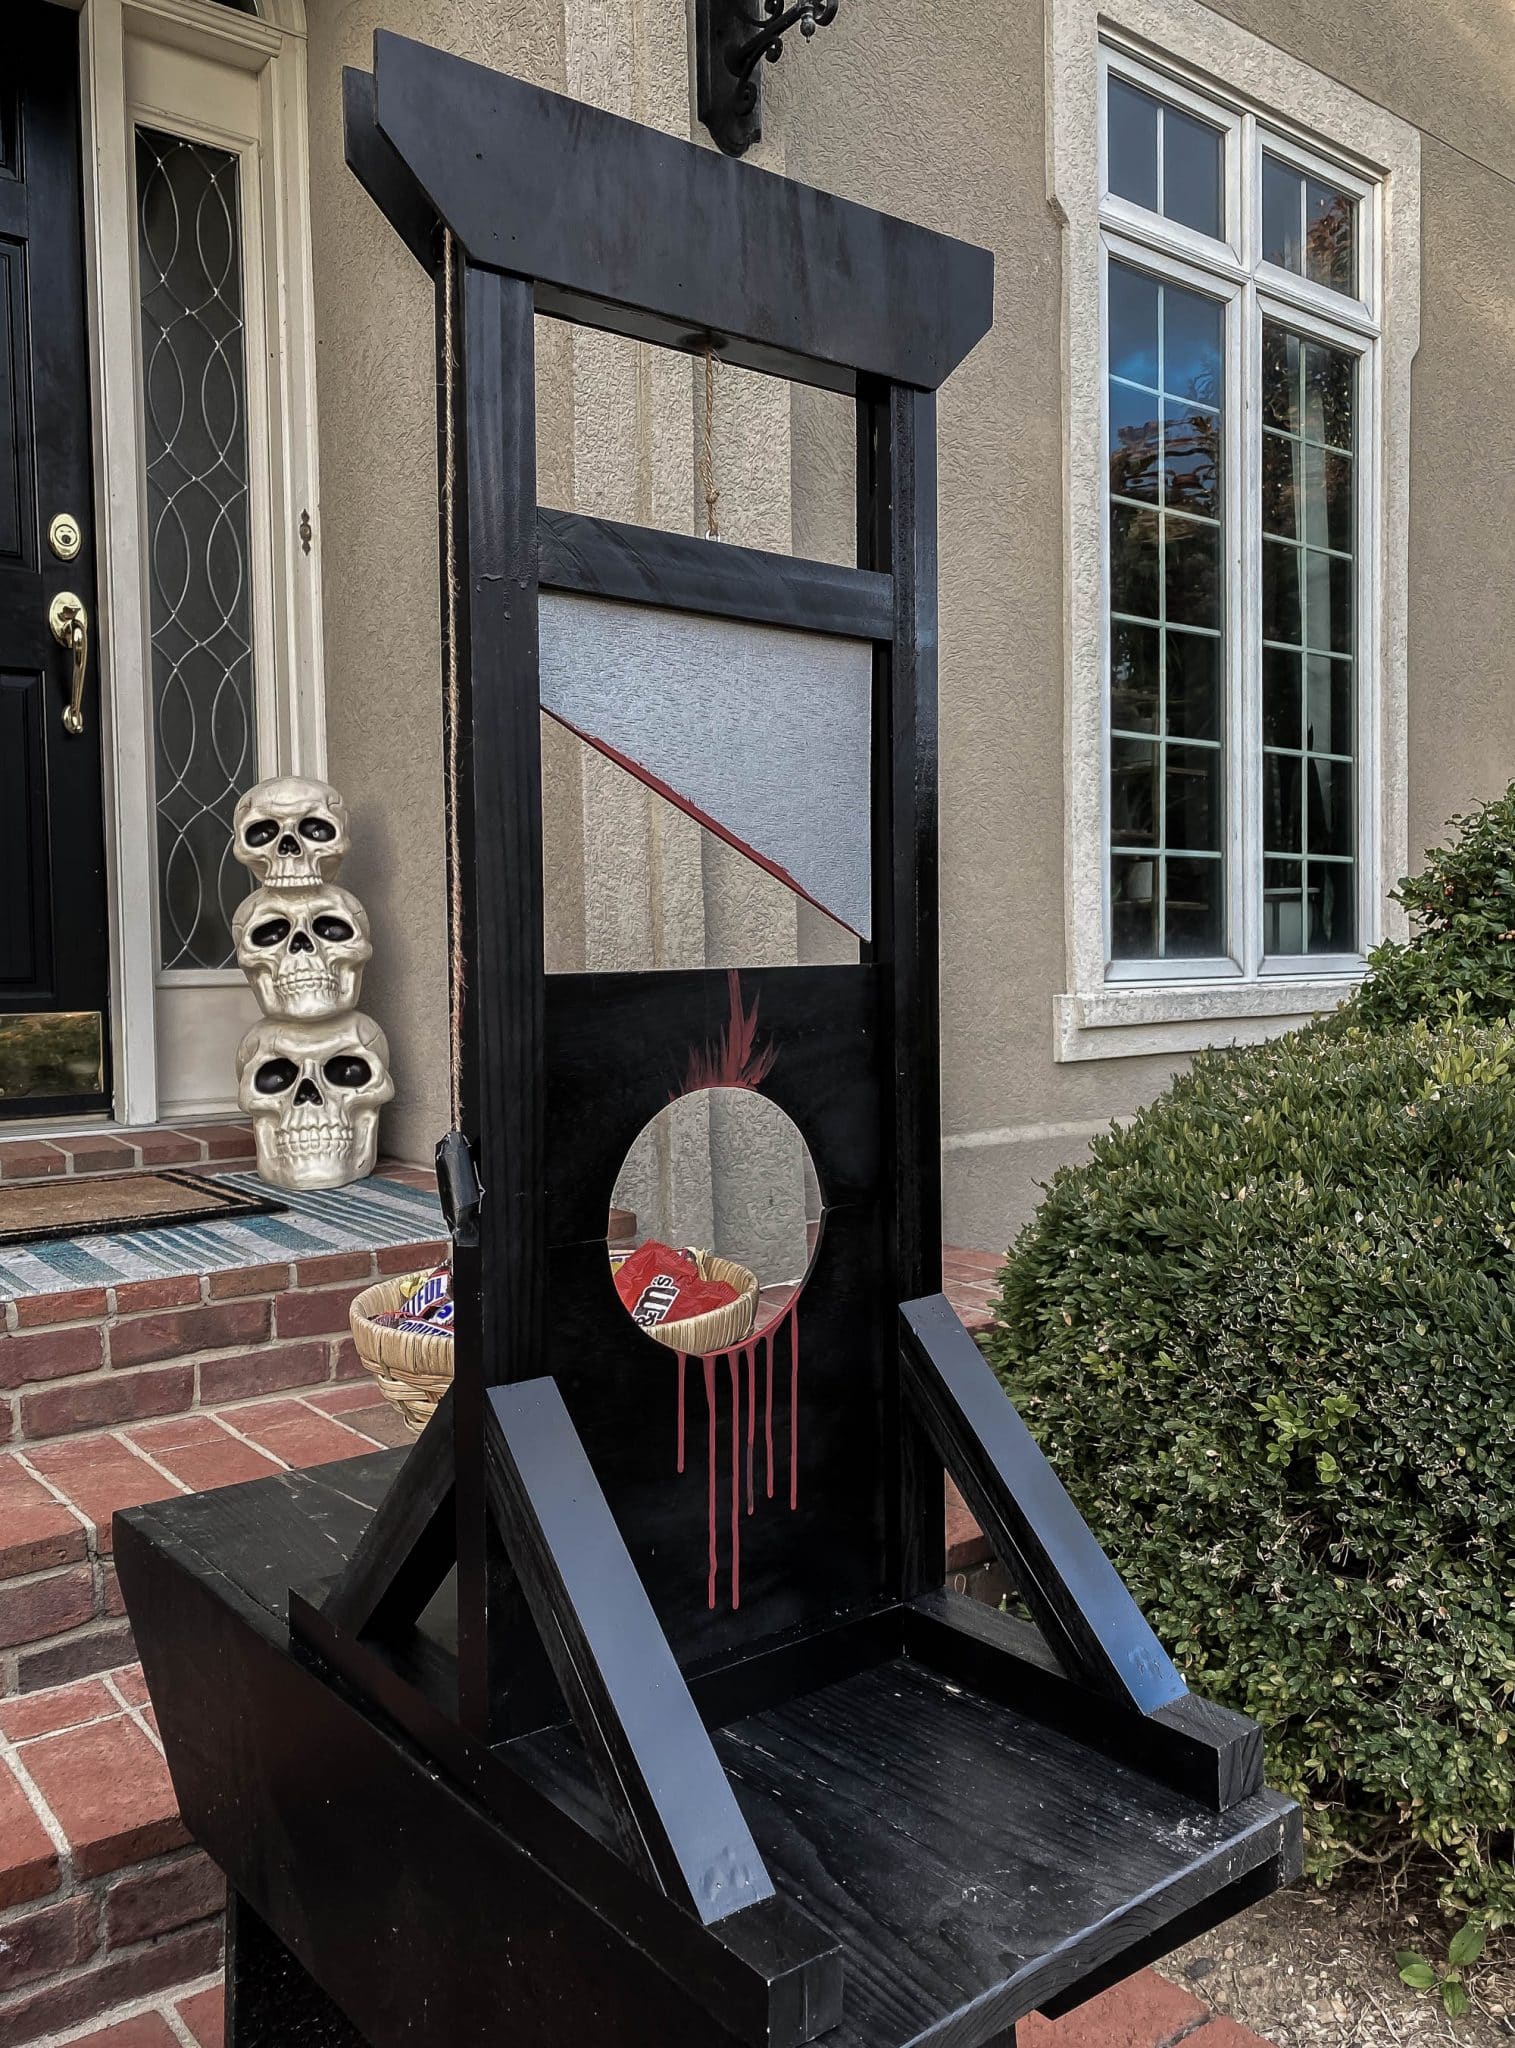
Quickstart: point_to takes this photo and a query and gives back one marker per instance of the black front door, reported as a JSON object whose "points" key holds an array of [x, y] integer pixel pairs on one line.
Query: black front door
{"points": [[54, 1026]]}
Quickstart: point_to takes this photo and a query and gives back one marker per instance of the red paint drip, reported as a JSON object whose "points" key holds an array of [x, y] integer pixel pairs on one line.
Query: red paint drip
{"points": [[794, 1407], [749, 1359], [768, 1405], [683, 1369], [739, 1363], [736, 1491], [710, 1410]]}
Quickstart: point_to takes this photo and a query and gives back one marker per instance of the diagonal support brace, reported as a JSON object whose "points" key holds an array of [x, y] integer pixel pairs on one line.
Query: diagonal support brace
{"points": [[672, 1803], [409, 1546], [1074, 1593]]}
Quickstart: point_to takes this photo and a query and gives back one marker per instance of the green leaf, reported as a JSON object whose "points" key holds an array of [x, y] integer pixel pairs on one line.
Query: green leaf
{"points": [[1454, 1998], [1467, 1944], [1418, 1974]]}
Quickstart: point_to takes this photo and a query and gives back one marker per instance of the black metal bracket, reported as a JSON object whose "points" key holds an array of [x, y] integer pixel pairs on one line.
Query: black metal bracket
{"points": [[732, 43]]}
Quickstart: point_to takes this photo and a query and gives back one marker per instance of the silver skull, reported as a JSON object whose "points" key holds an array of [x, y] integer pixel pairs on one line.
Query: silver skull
{"points": [[314, 1091], [303, 950], [291, 832]]}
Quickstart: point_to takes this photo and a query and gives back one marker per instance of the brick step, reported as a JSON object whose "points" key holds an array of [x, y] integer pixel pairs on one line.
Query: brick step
{"points": [[104, 1903], [103, 1357], [61, 1615], [968, 1279], [27, 1158]]}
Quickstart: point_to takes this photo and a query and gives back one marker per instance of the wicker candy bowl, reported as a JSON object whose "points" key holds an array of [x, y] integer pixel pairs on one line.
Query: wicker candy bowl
{"points": [[413, 1367], [719, 1328]]}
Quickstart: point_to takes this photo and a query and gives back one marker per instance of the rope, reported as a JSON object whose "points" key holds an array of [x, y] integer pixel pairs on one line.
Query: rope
{"points": [[458, 964], [707, 451]]}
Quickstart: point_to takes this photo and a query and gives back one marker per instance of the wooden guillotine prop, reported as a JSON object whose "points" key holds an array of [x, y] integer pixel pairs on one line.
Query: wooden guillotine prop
{"points": [[629, 1707]]}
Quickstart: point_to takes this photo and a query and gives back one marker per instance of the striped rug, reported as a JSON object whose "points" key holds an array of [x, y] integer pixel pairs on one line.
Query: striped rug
{"points": [[370, 1213]]}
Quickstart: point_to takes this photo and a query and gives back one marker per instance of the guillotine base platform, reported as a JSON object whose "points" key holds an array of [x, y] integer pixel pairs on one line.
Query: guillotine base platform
{"points": [[434, 1890]]}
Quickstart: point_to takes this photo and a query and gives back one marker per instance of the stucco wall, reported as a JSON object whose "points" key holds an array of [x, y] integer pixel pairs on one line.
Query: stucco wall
{"points": [[935, 110]]}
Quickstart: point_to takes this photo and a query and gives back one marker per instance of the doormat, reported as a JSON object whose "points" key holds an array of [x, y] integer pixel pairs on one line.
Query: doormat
{"points": [[120, 1201]]}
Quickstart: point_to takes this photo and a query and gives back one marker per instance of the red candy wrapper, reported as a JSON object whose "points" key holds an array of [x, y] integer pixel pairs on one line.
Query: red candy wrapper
{"points": [[660, 1285]]}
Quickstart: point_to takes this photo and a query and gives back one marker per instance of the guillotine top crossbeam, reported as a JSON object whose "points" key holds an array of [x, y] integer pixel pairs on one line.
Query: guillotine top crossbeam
{"points": [[620, 226]]}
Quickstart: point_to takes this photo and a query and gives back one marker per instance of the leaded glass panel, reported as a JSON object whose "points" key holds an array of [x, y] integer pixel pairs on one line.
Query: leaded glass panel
{"points": [[194, 379]]}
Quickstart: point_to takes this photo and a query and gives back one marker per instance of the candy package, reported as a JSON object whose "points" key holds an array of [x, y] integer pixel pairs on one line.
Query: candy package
{"points": [[426, 1305], [660, 1285]]}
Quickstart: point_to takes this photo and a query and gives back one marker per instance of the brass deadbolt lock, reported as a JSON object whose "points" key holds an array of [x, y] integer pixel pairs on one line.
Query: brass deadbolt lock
{"points": [[64, 537]]}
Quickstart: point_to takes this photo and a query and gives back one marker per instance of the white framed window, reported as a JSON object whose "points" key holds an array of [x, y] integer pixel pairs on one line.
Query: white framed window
{"points": [[1241, 377], [1239, 308]]}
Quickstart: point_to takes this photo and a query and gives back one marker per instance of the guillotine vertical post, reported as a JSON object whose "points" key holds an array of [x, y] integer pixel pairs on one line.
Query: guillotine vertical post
{"points": [[897, 534], [489, 603]]}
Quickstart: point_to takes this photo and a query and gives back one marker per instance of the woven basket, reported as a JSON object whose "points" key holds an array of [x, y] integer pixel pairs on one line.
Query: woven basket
{"points": [[413, 1368], [719, 1328]]}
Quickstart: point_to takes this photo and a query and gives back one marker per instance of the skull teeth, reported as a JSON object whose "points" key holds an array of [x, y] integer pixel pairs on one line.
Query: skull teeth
{"points": [[300, 1141]]}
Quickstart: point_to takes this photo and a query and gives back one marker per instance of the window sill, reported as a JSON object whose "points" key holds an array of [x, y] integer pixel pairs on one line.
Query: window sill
{"points": [[1166, 1018]]}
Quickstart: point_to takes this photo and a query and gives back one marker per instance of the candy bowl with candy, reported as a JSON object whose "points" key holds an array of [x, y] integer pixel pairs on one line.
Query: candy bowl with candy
{"points": [[693, 1301], [403, 1332]]}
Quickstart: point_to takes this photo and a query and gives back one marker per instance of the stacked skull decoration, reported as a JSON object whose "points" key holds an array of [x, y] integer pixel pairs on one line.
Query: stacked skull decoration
{"points": [[314, 1074]]}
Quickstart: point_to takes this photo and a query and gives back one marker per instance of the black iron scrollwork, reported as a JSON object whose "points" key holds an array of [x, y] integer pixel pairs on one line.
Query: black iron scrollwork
{"points": [[732, 43]]}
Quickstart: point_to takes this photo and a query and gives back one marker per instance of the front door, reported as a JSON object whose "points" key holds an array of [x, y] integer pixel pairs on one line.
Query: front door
{"points": [[54, 953]]}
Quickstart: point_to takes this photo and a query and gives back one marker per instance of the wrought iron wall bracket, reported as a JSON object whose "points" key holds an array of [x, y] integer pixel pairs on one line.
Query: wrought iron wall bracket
{"points": [[734, 39]]}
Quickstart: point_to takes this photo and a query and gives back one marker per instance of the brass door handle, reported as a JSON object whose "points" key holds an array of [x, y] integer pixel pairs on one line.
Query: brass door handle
{"points": [[70, 628]]}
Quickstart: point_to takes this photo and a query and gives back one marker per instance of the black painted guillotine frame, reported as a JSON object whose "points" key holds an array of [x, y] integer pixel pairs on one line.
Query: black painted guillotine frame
{"points": [[510, 1763]]}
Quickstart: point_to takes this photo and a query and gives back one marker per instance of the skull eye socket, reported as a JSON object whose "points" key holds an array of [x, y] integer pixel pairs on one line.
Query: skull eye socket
{"points": [[320, 829], [274, 1076], [334, 929], [272, 932], [260, 831], [347, 1070]]}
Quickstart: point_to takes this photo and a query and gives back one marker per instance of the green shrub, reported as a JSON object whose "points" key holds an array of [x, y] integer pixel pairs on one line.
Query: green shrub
{"points": [[1267, 1336], [1462, 914]]}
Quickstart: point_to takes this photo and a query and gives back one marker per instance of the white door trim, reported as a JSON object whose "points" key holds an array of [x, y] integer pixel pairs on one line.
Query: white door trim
{"points": [[273, 52]]}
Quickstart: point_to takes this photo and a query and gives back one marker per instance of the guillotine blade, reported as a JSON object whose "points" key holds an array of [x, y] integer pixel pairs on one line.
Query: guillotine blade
{"points": [[760, 733]]}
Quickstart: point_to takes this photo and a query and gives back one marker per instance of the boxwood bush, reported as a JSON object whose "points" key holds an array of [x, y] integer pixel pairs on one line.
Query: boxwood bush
{"points": [[1267, 1335], [1462, 913]]}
